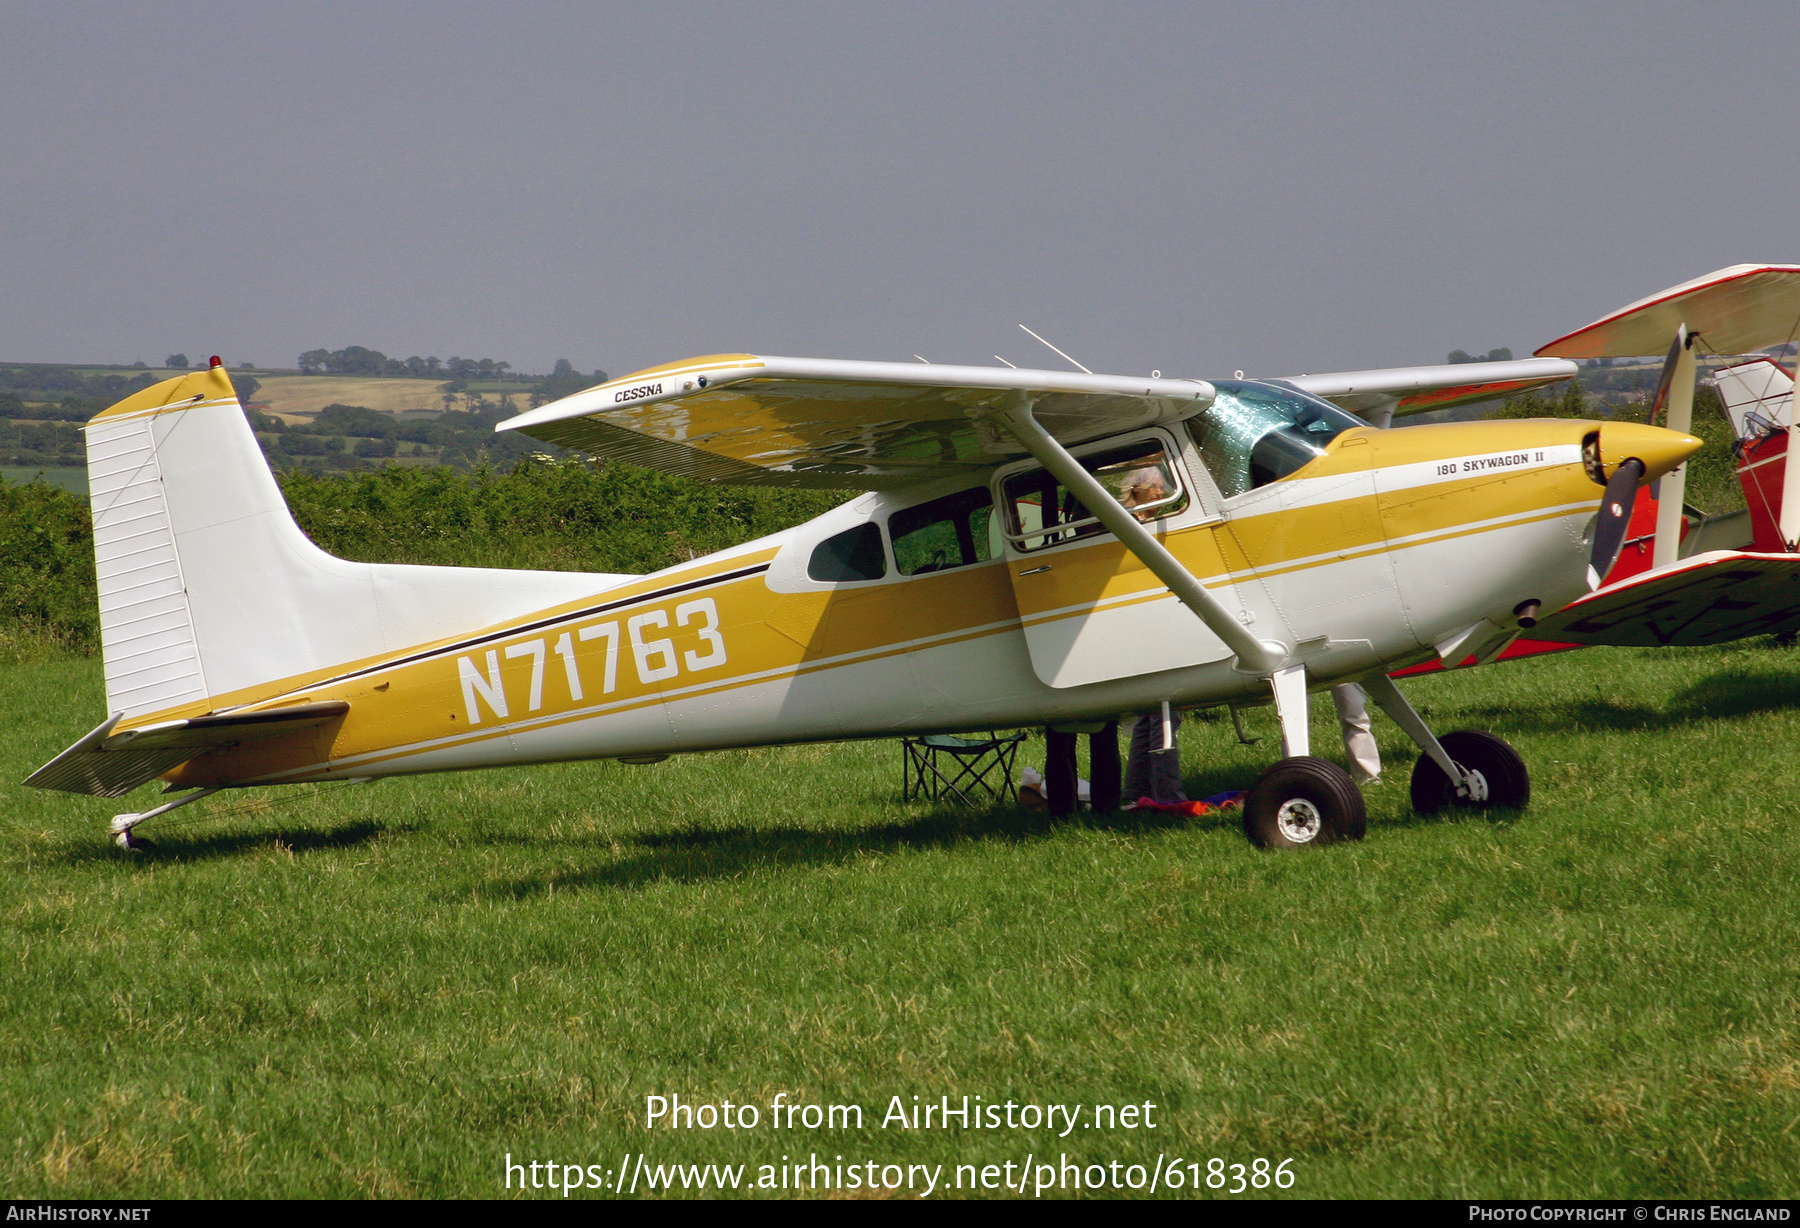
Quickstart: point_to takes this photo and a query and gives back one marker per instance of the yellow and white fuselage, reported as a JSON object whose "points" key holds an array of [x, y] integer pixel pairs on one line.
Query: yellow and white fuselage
{"points": [[1386, 548]]}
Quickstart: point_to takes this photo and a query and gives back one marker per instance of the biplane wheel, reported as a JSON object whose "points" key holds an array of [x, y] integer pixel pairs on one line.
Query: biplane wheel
{"points": [[1504, 780], [1303, 801]]}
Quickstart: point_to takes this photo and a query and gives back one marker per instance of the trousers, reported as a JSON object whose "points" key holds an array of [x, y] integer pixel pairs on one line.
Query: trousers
{"points": [[1155, 776]]}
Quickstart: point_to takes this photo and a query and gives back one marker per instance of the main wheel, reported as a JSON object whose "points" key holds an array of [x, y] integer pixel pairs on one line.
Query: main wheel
{"points": [[1501, 777], [1303, 801]]}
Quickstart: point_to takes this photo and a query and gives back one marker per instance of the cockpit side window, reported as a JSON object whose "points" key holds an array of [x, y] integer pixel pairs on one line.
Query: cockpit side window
{"points": [[1141, 476], [944, 533], [1254, 433]]}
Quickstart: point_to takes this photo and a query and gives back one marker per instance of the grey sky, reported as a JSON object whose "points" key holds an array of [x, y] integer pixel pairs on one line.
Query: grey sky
{"points": [[1190, 187]]}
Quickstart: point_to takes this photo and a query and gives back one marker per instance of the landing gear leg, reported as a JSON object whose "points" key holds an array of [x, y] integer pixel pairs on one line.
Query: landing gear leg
{"points": [[122, 824], [1467, 768], [1291, 706]]}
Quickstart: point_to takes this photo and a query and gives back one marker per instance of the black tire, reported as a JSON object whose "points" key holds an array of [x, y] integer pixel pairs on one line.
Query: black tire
{"points": [[1301, 802], [1508, 783]]}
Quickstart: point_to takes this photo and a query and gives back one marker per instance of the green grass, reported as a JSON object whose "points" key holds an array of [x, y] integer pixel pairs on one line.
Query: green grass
{"points": [[382, 990]]}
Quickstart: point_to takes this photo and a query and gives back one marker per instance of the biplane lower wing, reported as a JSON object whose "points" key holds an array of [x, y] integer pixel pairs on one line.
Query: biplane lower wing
{"points": [[1711, 599], [108, 764]]}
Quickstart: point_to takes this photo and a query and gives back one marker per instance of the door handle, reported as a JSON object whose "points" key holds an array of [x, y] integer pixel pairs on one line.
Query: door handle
{"points": [[1035, 570]]}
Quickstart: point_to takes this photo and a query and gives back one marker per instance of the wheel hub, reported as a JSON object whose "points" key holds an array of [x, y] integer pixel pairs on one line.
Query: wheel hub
{"points": [[1299, 820], [1474, 787]]}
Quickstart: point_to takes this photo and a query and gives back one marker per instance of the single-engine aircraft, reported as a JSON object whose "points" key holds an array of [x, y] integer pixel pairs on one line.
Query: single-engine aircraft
{"points": [[1032, 548]]}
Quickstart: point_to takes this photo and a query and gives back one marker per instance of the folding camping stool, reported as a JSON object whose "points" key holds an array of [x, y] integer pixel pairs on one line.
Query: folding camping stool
{"points": [[939, 766]]}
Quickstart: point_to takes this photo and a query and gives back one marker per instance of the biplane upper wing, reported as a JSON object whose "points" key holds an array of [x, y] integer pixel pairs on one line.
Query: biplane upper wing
{"points": [[1418, 390], [1735, 310], [1709, 599], [758, 420]]}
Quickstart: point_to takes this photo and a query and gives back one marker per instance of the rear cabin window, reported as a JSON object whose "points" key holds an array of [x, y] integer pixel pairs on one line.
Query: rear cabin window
{"points": [[1141, 476], [944, 533], [854, 554]]}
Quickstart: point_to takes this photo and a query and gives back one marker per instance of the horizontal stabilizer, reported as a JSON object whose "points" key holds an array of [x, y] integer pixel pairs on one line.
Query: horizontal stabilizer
{"points": [[108, 764], [1710, 599]]}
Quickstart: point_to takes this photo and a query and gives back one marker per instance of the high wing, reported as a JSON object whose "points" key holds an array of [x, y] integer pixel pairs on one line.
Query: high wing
{"points": [[757, 420], [108, 764], [1710, 599], [1735, 310], [1401, 391]]}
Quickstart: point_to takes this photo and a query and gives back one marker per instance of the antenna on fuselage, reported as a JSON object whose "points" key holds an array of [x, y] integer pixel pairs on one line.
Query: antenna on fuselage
{"points": [[1007, 363], [1059, 353]]}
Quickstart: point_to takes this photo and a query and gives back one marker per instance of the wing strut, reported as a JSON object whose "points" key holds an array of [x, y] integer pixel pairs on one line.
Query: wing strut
{"points": [[1678, 416], [1253, 655], [1790, 473]]}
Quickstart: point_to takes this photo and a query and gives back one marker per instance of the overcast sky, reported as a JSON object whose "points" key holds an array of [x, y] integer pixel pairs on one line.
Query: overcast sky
{"points": [[1192, 187]]}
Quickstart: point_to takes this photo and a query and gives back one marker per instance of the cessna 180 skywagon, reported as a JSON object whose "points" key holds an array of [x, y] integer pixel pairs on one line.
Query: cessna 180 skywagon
{"points": [[1033, 548]]}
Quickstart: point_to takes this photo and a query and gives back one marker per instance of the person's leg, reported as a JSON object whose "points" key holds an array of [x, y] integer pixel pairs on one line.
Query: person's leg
{"points": [[1165, 768], [1359, 742], [1103, 769], [1146, 733], [1059, 771]]}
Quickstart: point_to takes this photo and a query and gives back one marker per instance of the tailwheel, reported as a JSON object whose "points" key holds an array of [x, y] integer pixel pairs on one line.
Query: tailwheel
{"points": [[1496, 775], [1301, 802]]}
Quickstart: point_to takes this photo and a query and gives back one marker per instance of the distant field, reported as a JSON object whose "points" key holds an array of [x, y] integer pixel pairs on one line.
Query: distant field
{"points": [[68, 479], [385, 990], [291, 395]]}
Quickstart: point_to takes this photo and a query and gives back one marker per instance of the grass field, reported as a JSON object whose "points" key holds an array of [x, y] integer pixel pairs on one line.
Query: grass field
{"points": [[384, 990]]}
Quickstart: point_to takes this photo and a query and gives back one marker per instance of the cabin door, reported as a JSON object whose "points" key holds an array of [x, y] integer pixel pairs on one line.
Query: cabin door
{"points": [[1091, 612]]}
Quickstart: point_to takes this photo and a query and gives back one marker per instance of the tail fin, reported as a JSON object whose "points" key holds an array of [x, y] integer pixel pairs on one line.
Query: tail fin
{"points": [[211, 596], [1758, 398], [1758, 395]]}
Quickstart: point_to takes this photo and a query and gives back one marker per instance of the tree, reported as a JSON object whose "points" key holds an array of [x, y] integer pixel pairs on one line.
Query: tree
{"points": [[356, 360], [563, 367], [176, 362], [246, 388], [313, 361]]}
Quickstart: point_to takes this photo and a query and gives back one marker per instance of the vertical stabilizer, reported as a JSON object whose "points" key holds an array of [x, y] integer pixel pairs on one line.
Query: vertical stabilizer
{"points": [[146, 624], [1757, 396], [211, 596]]}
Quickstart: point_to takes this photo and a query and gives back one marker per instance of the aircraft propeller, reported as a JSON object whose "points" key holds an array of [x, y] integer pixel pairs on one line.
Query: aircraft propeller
{"points": [[1615, 516], [1668, 375]]}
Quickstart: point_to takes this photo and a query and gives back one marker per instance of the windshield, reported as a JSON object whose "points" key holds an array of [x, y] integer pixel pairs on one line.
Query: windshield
{"points": [[1254, 433]]}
